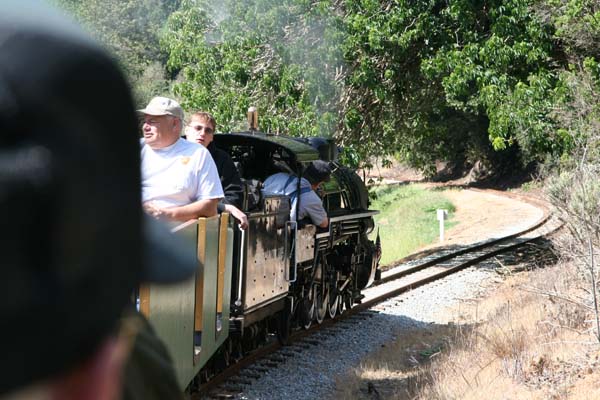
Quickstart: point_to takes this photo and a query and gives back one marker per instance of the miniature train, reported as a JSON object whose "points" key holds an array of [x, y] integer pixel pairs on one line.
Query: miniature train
{"points": [[275, 276]]}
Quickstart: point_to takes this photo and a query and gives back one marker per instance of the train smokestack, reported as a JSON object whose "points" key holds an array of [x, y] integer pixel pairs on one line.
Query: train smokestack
{"points": [[252, 119]]}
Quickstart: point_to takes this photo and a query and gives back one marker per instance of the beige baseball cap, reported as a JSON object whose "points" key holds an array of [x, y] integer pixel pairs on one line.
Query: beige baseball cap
{"points": [[163, 106]]}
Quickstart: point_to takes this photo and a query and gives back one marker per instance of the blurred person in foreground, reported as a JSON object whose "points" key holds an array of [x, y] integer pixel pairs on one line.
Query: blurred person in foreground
{"points": [[73, 242], [201, 129], [179, 179]]}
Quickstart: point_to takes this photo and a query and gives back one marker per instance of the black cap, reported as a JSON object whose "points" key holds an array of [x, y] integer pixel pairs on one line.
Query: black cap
{"points": [[317, 171], [71, 231]]}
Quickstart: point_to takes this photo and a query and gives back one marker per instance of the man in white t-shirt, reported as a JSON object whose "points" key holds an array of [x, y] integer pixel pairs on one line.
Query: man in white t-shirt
{"points": [[311, 205], [179, 178]]}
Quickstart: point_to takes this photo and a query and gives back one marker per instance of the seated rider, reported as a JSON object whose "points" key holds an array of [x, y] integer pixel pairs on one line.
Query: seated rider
{"points": [[201, 130], [179, 179], [311, 205]]}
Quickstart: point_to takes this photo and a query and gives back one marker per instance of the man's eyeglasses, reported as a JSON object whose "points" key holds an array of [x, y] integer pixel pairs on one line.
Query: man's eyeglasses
{"points": [[204, 128]]}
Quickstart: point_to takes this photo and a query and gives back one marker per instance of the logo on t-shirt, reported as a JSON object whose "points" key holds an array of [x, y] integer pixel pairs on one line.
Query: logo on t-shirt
{"points": [[185, 160]]}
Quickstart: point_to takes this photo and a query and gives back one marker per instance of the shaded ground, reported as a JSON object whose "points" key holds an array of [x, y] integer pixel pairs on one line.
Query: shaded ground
{"points": [[511, 341], [393, 372], [477, 176]]}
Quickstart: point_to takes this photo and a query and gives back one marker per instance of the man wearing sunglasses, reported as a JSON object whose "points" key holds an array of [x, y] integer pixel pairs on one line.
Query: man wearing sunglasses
{"points": [[201, 130]]}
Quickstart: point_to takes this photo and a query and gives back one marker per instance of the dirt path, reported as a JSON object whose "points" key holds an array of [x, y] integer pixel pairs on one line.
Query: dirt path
{"points": [[481, 215]]}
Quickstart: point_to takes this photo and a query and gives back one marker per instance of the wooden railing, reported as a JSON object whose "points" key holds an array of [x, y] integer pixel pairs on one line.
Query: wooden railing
{"points": [[188, 310]]}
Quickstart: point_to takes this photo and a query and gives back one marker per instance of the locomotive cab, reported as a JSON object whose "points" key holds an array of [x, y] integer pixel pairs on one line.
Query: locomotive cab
{"points": [[290, 269]]}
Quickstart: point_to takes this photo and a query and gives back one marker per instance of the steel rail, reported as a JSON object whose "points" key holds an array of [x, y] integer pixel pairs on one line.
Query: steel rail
{"points": [[396, 273], [486, 249]]}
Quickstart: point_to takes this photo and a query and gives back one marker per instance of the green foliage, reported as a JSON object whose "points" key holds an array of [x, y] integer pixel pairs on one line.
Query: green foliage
{"points": [[130, 29], [426, 80], [383, 102], [278, 56], [577, 25], [442, 80], [499, 65], [577, 94], [408, 218], [382, 77]]}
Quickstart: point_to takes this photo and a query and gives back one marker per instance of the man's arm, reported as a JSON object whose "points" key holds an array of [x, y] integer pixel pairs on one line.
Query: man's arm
{"points": [[238, 214], [325, 223], [200, 208], [314, 208]]}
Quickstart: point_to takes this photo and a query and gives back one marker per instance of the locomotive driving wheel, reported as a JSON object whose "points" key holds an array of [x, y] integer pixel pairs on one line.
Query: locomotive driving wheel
{"points": [[322, 291], [307, 311], [340, 304], [334, 301], [321, 304], [237, 350], [224, 359], [344, 302]]}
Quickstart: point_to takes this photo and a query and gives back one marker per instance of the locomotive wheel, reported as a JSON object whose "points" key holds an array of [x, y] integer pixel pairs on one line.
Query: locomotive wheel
{"points": [[347, 297], [205, 374], [237, 351], [340, 304], [230, 359], [307, 312], [321, 305], [333, 304]]}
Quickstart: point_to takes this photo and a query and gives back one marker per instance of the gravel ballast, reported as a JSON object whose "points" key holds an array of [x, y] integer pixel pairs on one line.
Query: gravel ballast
{"points": [[312, 370]]}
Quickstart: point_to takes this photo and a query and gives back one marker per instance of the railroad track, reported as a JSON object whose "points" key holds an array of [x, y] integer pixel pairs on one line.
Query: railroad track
{"points": [[409, 274]]}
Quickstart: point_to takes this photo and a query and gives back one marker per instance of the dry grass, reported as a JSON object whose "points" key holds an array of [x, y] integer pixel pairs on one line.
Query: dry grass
{"points": [[394, 369], [519, 343]]}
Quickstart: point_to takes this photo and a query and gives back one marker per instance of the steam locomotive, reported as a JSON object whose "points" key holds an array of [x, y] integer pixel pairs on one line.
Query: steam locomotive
{"points": [[277, 275]]}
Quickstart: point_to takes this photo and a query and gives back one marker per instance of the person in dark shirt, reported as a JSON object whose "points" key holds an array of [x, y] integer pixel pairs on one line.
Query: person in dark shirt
{"points": [[201, 129]]}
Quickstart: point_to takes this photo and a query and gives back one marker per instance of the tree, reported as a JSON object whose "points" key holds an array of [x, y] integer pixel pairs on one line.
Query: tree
{"points": [[425, 80], [278, 56], [130, 29], [451, 73]]}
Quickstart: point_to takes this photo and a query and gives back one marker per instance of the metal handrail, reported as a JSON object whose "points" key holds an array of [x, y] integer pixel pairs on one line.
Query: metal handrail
{"points": [[289, 227]]}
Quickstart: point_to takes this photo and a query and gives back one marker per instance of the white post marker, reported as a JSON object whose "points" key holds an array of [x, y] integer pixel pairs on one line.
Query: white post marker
{"points": [[441, 216]]}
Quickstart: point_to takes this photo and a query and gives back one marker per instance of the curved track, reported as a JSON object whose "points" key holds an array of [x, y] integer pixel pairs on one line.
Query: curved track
{"points": [[411, 272]]}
